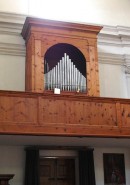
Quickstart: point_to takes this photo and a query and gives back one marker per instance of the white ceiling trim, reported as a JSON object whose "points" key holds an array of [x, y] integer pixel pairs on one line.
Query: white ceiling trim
{"points": [[12, 17]]}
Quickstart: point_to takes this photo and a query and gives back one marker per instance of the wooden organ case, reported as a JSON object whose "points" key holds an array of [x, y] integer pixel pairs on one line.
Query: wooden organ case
{"points": [[43, 36]]}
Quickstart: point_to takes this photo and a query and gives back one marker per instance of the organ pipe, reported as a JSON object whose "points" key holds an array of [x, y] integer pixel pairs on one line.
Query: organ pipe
{"points": [[64, 75]]}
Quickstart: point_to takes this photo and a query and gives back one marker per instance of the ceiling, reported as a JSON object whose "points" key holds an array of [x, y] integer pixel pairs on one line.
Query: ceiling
{"points": [[20, 140]]}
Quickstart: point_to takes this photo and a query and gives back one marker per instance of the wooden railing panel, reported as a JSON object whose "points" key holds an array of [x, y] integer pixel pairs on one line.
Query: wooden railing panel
{"points": [[18, 110], [74, 112], [73, 115], [125, 112]]}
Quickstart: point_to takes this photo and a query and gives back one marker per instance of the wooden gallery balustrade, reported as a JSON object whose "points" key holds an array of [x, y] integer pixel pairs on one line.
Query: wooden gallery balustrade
{"points": [[75, 115]]}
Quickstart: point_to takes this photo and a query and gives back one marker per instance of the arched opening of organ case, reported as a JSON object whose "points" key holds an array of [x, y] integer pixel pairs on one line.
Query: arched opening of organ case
{"points": [[65, 68]]}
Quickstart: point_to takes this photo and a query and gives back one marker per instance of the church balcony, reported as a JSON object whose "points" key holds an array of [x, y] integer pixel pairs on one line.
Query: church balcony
{"points": [[63, 115]]}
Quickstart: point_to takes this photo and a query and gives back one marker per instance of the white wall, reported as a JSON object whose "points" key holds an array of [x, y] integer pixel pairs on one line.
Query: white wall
{"points": [[12, 73], [112, 81], [98, 159], [114, 61], [108, 12], [15, 6], [12, 161], [128, 84]]}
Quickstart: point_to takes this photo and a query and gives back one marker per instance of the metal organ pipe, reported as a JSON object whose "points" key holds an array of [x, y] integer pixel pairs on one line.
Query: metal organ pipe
{"points": [[64, 75]]}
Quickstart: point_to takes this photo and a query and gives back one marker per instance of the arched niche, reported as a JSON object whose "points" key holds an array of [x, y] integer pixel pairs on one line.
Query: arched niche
{"points": [[65, 68], [41, 35]]}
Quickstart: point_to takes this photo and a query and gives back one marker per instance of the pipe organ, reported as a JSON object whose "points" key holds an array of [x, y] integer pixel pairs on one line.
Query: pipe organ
{"points": [[40, 35], [64, 76]]}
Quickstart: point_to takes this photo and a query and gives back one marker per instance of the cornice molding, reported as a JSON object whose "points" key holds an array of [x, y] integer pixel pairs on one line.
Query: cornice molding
{"points": [[118, 36], [12, 18], [10, 28], [114, 59], [109, 58], [109, 40], [122, 30], [12, 49], [114, 40], [11, 24]]}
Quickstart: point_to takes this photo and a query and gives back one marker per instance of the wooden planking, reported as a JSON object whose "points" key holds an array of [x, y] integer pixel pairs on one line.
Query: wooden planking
{"points": [[77, 113], [50, 40], [125, 112], [38, 73], [18, 110], [119, 116], [30, 65], [49, 114], [97, 72], [93, 70]]}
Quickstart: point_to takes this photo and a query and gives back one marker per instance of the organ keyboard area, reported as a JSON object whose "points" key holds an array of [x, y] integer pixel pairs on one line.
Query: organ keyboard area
{"points": [[65, 76]]}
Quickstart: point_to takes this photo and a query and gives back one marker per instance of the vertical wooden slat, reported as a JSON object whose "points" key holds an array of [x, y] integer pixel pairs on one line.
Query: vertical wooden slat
{"points": [[94, 91], [97, 72], [88, 78], [38, 69], [119, 117]]}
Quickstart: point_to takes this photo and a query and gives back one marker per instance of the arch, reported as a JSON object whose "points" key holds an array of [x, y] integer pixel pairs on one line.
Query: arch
{"points": [[56, 52], [73, 60]]}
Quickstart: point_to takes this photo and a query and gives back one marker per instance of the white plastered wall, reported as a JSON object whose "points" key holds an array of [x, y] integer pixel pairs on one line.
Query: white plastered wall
{"points": [[12, 161], [12, 73], [112, 81], [128, 84]]}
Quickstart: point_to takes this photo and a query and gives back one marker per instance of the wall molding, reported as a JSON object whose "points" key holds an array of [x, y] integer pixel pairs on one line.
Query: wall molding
{"points": [[12, 49], [11, 23], [12, 17], [114, 40], [110, 36], [109, 40], [10, 28], [114, 36], [109, 58], [114, 59]]}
